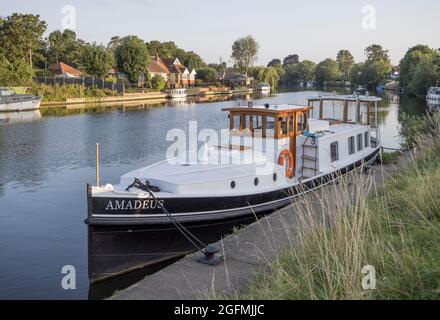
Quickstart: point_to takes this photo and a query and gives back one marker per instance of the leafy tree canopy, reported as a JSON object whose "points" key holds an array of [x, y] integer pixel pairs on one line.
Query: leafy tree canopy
{"points": [[328, 70], [132, 57], [291, 59], [97, 60], [270, 76], [413, 57], [21, 36], [65, 47], [158, 82], [207, 74], [345, 61], [244, 53]]}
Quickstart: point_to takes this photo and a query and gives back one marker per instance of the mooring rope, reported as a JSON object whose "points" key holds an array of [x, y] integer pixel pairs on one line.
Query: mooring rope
{"points": [[186, 233]]}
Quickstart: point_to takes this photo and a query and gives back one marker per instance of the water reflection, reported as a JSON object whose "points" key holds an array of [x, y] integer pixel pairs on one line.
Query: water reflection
{"points": [[16, 117], [45, 165]]}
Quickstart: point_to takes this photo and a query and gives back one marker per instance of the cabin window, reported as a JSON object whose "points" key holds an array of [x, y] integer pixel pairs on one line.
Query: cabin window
{"points": [[291, 123], [270, 124], [359, 142], [334, 152], [257, 122], [351, 148], [283, 125], [301, 122], [367, 139], [236, 122]]}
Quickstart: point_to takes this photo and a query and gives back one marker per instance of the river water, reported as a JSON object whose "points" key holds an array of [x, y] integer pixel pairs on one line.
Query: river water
{"points": [[45, 164]]}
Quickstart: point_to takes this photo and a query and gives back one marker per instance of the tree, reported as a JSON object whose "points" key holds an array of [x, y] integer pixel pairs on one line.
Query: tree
{"points": [[132, 58], [20, 36], [158, 82], [327, 70], [270, 76], [193, 61], [413, 57], [65, 47], [304, 71], [164, 50], [377, 67], [375, 52], [276, 63], [18, 73], [424, 76], [207, 74], [345, 61], [244, 53], [291, 59], [375, 72], [97, 60]]}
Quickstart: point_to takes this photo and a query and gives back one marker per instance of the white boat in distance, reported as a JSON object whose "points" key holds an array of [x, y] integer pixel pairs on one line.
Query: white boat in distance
{"points": [[138, 221], [264, 88], [433, 97], [12, 102], [178, 93]]}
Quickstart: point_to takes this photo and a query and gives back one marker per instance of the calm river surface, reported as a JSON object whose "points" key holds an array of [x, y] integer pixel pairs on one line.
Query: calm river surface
{"points": [[46, 163]]}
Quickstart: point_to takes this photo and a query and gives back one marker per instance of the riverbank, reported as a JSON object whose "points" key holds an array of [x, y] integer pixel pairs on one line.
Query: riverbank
{"points": [[322, 246], [245, 253], [108, 97]]}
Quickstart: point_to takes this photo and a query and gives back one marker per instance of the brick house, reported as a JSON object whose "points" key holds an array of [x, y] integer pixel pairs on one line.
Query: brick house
{"points": [[175, 73], [63, 70]]}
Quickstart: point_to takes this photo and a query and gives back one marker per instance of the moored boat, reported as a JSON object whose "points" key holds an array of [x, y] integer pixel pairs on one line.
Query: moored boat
{"points": [[433, 98], [13, 102], [269, 156], [263, 88], [178, 93]]}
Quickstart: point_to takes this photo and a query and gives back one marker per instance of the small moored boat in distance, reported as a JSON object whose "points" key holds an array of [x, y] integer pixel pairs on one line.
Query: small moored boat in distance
{"points": [[270, 155], [433, 98], [361, 91], [263, 87], [178, 93], [12, 102]]}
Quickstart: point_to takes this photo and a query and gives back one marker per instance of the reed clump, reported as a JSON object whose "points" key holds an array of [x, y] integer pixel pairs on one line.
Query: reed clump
{"points": [[395, 228]]}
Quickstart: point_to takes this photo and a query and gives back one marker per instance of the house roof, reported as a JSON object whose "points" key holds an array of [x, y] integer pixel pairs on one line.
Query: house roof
{"points": [[157, 65], [62, 68]]}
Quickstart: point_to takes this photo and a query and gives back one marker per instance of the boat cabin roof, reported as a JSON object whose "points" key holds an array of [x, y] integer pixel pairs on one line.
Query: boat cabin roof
{"points": [[279, 121], [267, 109]]}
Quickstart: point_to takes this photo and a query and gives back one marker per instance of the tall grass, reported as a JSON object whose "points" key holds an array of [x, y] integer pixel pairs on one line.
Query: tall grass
{"points": [[395, 228]]}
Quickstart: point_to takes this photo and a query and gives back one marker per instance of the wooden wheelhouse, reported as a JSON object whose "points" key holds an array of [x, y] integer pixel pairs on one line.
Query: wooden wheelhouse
{"points": [[280, 122]]}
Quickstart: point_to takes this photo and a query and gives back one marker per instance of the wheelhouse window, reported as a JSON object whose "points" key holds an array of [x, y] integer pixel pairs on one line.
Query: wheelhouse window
{"points": [[334, 152], [351, 148], [367, 139], [359, 142]]}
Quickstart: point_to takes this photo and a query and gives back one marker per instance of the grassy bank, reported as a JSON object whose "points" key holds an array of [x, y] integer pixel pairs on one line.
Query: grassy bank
{"points": [[52, 93], [394, 228]]}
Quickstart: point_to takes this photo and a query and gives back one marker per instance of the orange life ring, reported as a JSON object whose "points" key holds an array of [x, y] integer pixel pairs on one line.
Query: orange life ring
{"points": [[286, 153]]}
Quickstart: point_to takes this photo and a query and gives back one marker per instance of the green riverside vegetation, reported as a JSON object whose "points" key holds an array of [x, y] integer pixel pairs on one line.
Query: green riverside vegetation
{"points": [[395, 228]]}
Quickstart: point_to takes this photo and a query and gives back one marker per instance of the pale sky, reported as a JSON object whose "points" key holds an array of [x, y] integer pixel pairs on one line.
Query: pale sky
{"points": [[313, 29]]}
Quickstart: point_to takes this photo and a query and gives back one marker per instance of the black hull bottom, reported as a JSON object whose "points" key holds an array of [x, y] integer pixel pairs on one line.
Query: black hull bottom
{"points": [[114, 250], [119, 246]]}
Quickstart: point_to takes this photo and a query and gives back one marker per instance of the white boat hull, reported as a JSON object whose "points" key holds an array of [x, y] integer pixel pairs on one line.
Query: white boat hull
{"points": [[20, 106]]}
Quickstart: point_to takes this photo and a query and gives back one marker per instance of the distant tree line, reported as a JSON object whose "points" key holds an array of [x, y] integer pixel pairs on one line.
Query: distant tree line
{"points": [[24, 53]]}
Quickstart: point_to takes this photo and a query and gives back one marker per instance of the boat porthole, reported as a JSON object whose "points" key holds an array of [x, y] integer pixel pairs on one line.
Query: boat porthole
{"points": [[275, 177], [256, 181], [232, 184]]}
